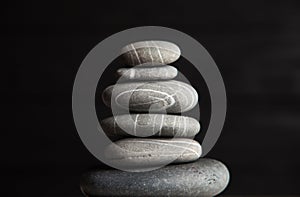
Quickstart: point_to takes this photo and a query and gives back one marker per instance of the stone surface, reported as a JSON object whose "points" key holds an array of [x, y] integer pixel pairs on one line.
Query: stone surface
{"points": [[144, 125], [170, 96], [205, 177], [145, 153], [148, 73], [150, 53]]}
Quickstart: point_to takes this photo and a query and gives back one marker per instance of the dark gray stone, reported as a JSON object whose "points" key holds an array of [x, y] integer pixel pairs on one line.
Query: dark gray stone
{"points": [[170, 96], [145, 153], [150, 53], [148, 73], [205, 177], [144, 125]]}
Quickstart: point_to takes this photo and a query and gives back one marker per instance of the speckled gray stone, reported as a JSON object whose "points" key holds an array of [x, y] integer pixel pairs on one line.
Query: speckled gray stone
{"points": [[150, 53], [144, 125], [205, 177], [145, 153], [147, 73], [168, 96]]}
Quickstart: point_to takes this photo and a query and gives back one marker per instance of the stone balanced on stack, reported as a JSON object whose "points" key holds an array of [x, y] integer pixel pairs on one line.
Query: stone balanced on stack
{"points": [[150, 91]]}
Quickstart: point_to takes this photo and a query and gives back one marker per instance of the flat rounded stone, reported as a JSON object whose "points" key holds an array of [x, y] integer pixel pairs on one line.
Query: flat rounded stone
{"points": [[148, 73], [150, 53], [144, 125], [205, 177], [145, 153], [155, 96]]}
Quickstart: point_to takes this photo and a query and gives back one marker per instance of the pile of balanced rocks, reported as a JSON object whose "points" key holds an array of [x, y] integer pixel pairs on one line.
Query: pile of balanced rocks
{"points": [[149, 133]]}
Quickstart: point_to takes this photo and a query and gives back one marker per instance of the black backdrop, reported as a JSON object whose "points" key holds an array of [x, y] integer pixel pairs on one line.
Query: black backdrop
{"points": [[256, 45]]}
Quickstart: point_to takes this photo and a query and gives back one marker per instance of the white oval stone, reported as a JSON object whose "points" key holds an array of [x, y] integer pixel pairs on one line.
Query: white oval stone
{"points": [[148, 73], [144, 125], [170, 96], [150, 53], [145, 153]]}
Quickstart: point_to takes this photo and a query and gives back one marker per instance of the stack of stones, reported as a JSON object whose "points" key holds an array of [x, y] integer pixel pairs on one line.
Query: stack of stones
{"points": [[153, 134]]}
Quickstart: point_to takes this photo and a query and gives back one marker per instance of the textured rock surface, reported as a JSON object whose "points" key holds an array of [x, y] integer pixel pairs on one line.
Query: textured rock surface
{"points": [[150, 52], [146, 153], [172, 96], [144, 125], [148, 73], [205, 177]]}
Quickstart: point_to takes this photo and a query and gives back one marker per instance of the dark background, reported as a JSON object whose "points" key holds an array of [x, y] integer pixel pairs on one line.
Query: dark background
{"points": [[256, 45]]}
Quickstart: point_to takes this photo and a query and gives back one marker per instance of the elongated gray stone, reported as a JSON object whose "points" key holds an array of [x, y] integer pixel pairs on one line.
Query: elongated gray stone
{"points": [[144, 125], [145, 153], [150, 53], [148, 73], [170, 96], [205, 177]]}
